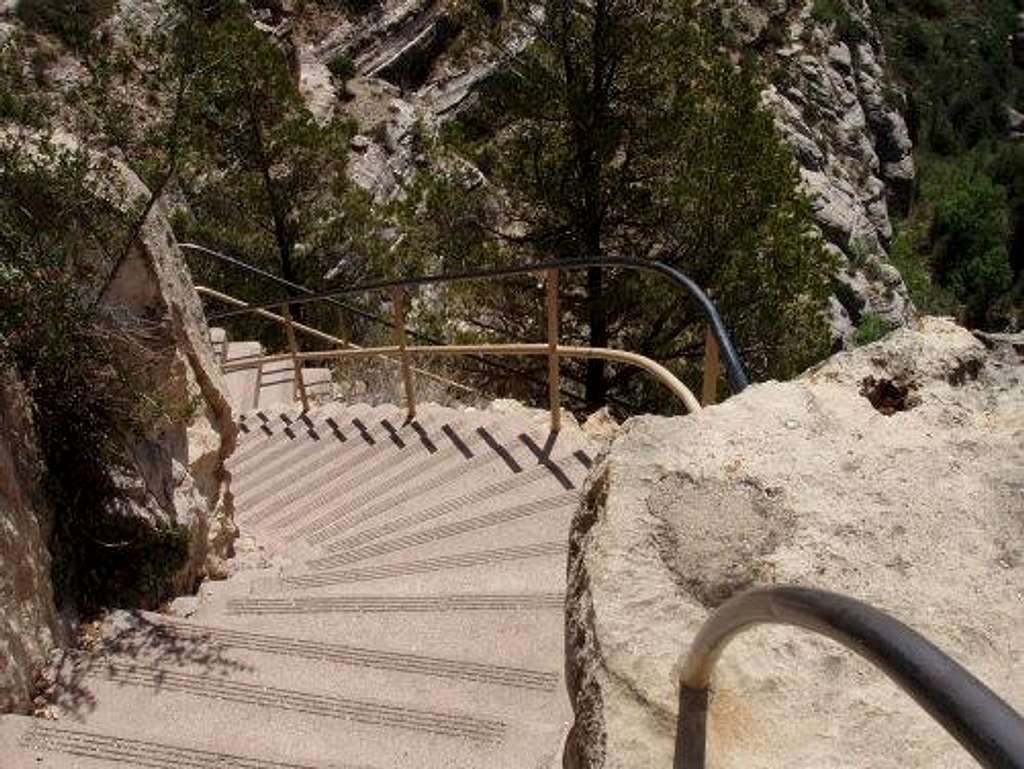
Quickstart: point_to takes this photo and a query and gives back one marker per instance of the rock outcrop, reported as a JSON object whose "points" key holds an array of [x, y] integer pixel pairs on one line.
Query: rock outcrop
{"points": [[29, 627], [176, 495], [891, 473], [181, 481], [835, 106], [181, 466]]}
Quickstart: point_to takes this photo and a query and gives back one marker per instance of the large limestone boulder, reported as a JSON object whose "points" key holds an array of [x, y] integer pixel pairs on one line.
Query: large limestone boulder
{"points": [[28, 619], [893, 473], [181, 476], [177, 489]]}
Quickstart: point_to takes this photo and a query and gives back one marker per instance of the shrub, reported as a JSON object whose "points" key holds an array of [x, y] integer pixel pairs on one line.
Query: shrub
{"points": [[834, 13], [71, 20], [342, 68], [86, 368], [871, 328]]}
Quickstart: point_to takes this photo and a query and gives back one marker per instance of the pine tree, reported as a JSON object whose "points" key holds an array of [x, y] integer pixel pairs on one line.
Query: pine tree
{"points": [[624, 130]]}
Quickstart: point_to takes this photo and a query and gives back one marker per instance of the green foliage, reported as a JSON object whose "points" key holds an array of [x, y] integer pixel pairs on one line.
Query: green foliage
{"points": [[910, 255], [962, 244], [666, 155], [969, 231], [86, 368], [72, 20], [871, 328], [342, 68], [955, 62], [835, 13], [281, 198]]}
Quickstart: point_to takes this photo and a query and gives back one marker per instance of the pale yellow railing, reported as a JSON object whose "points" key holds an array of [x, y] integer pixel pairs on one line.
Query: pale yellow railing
{"points": [[404, 353]]}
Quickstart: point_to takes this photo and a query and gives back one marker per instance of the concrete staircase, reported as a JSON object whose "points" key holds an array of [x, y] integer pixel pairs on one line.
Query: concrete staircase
{"points": [[397, 601], [268, 385]]}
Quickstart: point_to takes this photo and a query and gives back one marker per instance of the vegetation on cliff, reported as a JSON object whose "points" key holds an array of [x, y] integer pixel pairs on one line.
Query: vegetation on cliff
{"points": [[961, 248]]}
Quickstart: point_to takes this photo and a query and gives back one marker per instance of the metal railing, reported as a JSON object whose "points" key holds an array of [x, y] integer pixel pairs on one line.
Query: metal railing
{"points": [[717, 331], [371, 317], [988, 728], [717, 341]]}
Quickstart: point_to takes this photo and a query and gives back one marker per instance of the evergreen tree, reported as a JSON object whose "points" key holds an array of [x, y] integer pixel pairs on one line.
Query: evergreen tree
{"points": [[624, 130]]}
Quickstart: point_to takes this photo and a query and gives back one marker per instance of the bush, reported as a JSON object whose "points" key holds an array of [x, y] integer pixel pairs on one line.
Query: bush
{"points": [[871, 328], [834, 13], [342, 68], [85, 367], [969, 232], [71, 20]]}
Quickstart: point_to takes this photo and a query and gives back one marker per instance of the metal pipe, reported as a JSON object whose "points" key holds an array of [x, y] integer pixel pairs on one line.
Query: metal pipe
{"points": [[709, 389], [989, 729], [551, 310], [398, 299], [734, 368], [228, 299], [293, 347]]}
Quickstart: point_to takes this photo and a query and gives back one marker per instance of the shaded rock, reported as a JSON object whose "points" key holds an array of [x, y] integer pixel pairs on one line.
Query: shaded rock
{"points": [[29, 626], [178, 493], [890, 473]]}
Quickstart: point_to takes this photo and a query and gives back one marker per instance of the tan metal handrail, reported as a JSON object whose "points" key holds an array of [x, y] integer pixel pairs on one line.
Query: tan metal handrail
{"points": [[659, 372], [551, 349], [220, 296]]}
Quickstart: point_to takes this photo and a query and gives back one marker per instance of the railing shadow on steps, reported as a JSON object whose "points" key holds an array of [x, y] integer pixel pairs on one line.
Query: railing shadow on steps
{"points": [[989, 729], [718, 343]]}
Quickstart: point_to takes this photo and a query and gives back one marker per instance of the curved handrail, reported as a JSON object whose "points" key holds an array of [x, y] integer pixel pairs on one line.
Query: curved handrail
{"points": [[220, 296], [988, 728], [243, 265], [738, 378], [658, 371]]}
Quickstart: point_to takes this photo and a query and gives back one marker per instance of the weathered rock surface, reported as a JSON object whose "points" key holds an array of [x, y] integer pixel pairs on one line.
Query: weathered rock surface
{"points": [[835, 106], [179, 482], [892, 473], [181, 477], [28, 619]]}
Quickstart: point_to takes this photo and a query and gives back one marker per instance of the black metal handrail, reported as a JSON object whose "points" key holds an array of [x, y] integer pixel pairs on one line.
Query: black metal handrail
{"points": [[980, 721], [373, 318], [738, 378]]}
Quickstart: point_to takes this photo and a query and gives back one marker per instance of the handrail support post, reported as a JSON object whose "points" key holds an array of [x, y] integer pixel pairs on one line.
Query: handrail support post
{"points": [[709, 389], [293, 348], [691, 728], [398, 300], [554, 384]]}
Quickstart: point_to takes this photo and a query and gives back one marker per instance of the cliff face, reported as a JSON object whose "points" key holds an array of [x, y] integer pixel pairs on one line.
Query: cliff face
{"points": [[825, 85], [836, 108]]}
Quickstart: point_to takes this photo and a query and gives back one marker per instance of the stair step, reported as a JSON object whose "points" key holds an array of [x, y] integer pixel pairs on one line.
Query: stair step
{"points": [[525, 567], [340, 534], [547, 516], [46, 744], [299, 506], [241, 385], [298, 454], [180, 634]]}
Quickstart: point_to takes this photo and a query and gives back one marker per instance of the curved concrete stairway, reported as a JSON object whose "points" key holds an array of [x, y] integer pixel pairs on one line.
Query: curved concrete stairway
{"points": [[397, 602]]}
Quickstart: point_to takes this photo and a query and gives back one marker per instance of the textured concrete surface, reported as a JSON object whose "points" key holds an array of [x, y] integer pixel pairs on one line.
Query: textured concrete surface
{"points": [[396, 600]]}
